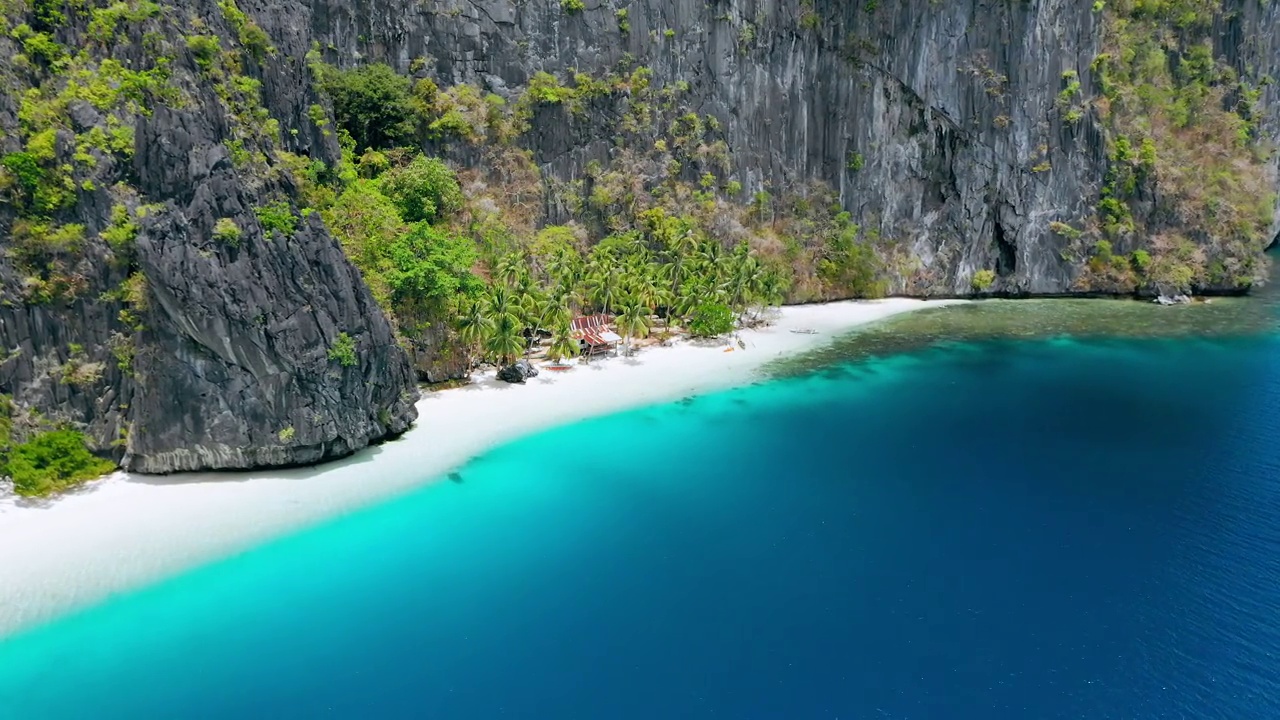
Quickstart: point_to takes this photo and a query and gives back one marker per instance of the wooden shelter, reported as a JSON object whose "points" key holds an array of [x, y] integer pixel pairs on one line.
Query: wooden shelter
{"points": [[594, 335]]}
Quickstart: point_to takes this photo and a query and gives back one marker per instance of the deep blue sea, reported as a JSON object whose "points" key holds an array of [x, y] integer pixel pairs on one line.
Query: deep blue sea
{"points": [[1043, 529]]}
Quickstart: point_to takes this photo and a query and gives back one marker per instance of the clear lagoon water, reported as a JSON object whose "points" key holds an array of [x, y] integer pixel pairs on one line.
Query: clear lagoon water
{"points": [[1044, 524]]}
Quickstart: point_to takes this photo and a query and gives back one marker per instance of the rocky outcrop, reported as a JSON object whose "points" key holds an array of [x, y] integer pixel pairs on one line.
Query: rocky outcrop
{"points": [[153, 303], [437, 355], [234, 370], [517, 372]]}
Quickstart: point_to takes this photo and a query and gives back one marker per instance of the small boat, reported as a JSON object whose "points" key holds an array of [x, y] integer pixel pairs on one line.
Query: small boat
{"points": [[805, 331]]}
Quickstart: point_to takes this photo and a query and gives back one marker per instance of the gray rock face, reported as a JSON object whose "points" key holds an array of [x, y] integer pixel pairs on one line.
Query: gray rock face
{"points": [[951, 105], [234, 370], [182, 351], [437, 355]]}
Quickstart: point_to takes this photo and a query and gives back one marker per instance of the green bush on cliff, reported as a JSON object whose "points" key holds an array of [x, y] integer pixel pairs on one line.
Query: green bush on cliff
{"points": [[204, 49], [225, 230], [848, 265], [372, 103], [432, 268], [52, 462], [982, 280], [410, 266], [343, 350], [425, 189], [276, 219]]}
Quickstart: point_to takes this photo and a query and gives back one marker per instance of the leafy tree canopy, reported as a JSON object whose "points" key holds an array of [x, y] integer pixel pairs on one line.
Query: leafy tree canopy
{"points": [[425, 189], [373, 104]]}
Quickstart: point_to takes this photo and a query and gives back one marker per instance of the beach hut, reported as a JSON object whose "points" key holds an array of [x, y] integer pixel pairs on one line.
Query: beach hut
{"points": [[594, 335]]}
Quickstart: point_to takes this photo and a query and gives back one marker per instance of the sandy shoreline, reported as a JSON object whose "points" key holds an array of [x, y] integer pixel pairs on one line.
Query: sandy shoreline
{"points": [[126, 530]]}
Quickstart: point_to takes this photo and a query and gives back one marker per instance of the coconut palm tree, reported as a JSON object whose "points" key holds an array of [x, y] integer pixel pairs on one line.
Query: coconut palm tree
{"points": [[633, 322], [529, 299], [474, 325], [506, 339], [553, 313], [563, 344], [743, 268], [603, 287], [510, 268], [680, 247], [651, 290], [564, 268]]}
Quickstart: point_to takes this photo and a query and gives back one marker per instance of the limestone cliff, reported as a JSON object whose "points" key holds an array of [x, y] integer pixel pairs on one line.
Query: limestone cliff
{"points": [[948, 127], [166, 289]]}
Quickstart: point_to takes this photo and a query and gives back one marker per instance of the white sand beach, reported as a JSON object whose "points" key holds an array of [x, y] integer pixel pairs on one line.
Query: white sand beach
{"points": [[126, 530]]}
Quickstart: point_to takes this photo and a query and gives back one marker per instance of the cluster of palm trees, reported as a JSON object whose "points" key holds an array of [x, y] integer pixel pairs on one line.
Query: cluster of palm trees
{"points": [[662, 273]]}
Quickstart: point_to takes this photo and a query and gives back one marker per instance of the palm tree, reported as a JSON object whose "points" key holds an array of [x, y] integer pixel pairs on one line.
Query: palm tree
{"points": [[650, 290], [474, 325], [510, 268], [563, 344], [633, 322], [689, 297], [529, 300], [506, 339], [603, 287], [554, 313], [742, 272], [563, 268]]}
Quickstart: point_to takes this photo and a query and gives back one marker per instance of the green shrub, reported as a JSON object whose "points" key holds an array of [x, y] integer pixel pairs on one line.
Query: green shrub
{"points": [[39, 46], [225, 230], [48, 13], [1065, 230], [253, 37], [425, 189], [366, 222], [122, 230], [849, 266], [343, 350], [256, 40], [276, 218], [25, 168], [710, 320], [432, 267], [104, 20], [373, 104], [52, 462], [982, 280], [204, 49], [546, 88], [1141, 260], [572, 6]]}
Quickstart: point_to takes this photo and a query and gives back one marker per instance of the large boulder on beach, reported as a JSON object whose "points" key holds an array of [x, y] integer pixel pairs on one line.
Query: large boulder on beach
{"points": [[518, 372]]}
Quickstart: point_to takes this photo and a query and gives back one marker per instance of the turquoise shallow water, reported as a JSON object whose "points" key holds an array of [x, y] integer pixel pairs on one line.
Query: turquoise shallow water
{"points": [[1033, 529]]}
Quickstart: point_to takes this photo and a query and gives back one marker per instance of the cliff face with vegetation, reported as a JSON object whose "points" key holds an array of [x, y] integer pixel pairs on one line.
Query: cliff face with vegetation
{"points": [[190, 276], [962, 136]]}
